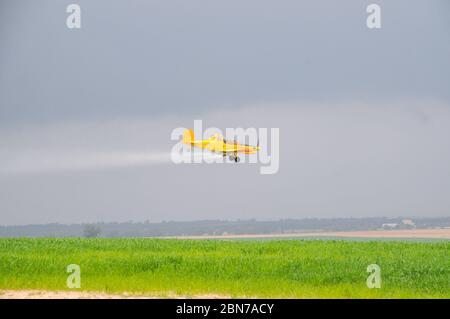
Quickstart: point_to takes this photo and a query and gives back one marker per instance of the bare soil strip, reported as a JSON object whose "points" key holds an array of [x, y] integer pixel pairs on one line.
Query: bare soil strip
{"points": [[406, 234]]}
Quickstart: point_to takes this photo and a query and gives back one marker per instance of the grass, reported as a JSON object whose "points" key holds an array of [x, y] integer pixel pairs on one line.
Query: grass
{"points": [[273, 269]]}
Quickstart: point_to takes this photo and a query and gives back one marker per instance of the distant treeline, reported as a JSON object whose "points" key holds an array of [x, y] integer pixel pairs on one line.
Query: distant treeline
{"points": [[218, 227]]}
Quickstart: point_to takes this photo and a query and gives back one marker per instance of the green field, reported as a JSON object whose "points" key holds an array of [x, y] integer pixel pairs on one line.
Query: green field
{"points": [[277, 268]]}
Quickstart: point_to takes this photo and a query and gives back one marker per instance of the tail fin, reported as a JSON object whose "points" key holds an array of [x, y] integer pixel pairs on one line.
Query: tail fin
{"points": [[188, 136]]}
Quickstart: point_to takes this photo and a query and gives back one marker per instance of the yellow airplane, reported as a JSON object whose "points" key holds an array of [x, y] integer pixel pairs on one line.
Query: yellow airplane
{"points": [[218, 144]]}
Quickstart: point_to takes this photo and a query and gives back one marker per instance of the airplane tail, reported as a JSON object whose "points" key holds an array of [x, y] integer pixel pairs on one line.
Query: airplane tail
{"points": [[188, 136]]}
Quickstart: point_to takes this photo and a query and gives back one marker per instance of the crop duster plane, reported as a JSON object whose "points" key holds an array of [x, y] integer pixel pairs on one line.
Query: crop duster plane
{"points": [[217, 144]]}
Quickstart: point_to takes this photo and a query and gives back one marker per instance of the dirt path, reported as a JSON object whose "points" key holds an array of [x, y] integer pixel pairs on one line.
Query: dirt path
{"points": [[43, 294], [48, 294]]}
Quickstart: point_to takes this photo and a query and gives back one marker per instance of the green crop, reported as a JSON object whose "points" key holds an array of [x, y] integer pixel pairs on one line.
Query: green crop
{"points": [[235, 268]]}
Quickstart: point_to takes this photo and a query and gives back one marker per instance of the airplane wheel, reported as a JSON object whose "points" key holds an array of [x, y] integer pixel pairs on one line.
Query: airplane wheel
{"points": [[237, 159], [231, 157]]}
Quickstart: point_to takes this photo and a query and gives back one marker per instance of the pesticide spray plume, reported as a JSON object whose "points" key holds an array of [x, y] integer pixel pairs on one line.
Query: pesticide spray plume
{"points": [[40, 162], [67, 161]]}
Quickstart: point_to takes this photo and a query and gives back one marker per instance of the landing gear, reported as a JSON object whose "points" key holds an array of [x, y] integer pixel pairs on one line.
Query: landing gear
{"points": [[234, 157]]}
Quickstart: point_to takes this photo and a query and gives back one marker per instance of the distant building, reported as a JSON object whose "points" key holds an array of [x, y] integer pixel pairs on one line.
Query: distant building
{"points": [[389, 226], [408, 223]]}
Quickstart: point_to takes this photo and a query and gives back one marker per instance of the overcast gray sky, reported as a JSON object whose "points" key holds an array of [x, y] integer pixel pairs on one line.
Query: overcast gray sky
{"points": [[86, 115]]}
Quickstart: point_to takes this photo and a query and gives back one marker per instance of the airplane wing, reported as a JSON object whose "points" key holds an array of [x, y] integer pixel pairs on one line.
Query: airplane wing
{"points": [[235, 148], [228, 148]]}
